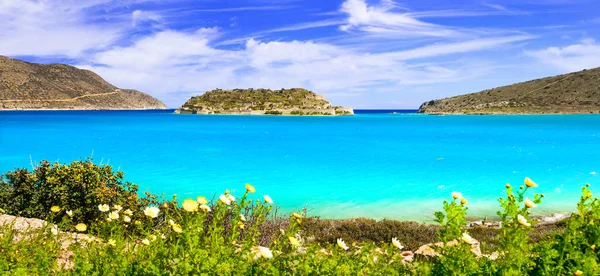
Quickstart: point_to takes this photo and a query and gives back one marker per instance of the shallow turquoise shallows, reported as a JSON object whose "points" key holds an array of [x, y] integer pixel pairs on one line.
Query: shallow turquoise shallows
{"points": [[399, 166]]}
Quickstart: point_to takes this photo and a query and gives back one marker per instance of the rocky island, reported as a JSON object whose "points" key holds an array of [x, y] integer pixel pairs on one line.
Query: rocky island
{"points": [[294, 101], [575, 93], [25, 85]]}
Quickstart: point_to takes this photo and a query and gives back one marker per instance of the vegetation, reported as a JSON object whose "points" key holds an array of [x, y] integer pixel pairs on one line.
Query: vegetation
{"points": [[25, 85], [569, 93], [227, 236]]}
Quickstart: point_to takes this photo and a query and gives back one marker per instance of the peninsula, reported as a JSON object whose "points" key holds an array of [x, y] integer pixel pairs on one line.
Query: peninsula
{"points": [[575, 93], [25, 85], [294, 101]]}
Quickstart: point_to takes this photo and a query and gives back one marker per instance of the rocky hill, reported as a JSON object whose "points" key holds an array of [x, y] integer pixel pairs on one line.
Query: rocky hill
{"points": [[577, 92], [294, 101], [25, 85]]}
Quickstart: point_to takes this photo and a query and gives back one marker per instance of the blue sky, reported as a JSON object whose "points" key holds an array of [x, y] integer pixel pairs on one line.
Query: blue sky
{"points": [[359, 53]]}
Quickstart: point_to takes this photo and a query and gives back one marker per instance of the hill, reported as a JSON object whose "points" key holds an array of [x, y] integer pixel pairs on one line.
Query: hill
{"points": [[25, 85], [294, 101], [577, 92]]}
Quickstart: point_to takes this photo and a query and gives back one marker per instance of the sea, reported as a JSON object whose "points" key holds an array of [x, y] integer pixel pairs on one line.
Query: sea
{"points": [[380, 164]]}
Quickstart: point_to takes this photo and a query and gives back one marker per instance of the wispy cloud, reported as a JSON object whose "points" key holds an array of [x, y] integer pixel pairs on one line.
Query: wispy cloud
{"points": [[238, 9], [575, 57]]}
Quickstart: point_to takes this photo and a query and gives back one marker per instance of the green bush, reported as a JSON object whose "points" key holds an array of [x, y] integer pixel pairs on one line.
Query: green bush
{"points": [[273, 112], [77, 189]]}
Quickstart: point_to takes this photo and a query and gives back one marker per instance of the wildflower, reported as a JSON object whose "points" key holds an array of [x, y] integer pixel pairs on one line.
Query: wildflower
{"points": [[2, 211], [342, 244], [523, 221], [230, 197], [282, 231], [113, 215], [294, 241], [529, 183], [578, 273], [190, 205], [507, 186], [117, 207], [152, 237], [242, 218], [126, 219], [54, 230], [69, 213], [146, 241], [456, 195], [81, 227], [296, 215], [241, 225], [202, 200], [396, 243], [205, 208], [103, 208], [268, 199], [529, 203], [171, 222], [468, 239], [463, 201], [151, 211], [177, 228], [55, 209], [262, 251], [224, 199], [137, 222], [128, 212], [250, 188], [112, 242]]}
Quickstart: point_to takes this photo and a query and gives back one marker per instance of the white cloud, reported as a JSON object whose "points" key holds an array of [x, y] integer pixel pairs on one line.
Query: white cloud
{"points": [[584, 55], [138, 16]]}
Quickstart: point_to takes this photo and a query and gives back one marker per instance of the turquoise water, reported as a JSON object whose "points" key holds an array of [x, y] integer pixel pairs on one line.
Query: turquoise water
{"points": [[370, 165]]}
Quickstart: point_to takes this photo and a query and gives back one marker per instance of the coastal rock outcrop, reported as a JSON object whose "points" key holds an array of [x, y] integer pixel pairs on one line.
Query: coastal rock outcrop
{"points": [[294, 101]]}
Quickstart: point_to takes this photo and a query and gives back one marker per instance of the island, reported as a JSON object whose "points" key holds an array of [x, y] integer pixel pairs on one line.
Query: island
{"points": [[573, 93], [25, 86], [294, 101]]}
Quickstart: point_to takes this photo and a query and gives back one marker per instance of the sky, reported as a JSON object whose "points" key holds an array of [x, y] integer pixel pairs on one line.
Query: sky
{"points": [[365, 54]]}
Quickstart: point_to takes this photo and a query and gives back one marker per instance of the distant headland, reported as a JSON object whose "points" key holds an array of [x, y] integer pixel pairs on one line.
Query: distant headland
{"points": [[25, 85], [294, 101], [573, 93]]}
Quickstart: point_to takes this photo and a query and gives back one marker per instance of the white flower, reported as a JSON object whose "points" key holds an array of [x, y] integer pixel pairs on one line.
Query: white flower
{"points": [[69, 213], [342, 244], [126, 219], [230, 197], [205, 208], [268, 199], [529, 203], [529, 183], [146, 241], [54, 230], [113, 215], [151, 211], [262, 251], [224, 199], [118, 208], [523, 221], [103, 208], [456, 195], [397, 244], [242, 218], [128, 212]]}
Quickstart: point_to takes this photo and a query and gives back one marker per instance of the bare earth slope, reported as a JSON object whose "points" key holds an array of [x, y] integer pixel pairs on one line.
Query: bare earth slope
{"points": [[577, 92], [294, 101], [25, 85]]}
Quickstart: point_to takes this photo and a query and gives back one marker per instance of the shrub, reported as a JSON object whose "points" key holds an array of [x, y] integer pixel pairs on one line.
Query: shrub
{"points": [[273, 112], [79, 187]]}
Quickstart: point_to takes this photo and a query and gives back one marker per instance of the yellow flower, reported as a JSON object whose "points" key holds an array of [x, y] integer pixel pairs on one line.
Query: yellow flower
{"points": [[117, 207], [242, 218], [55, 209], [523, 221], [151, 211], [578, 273], [468, 239], [296, 215], [268, 199], [456, 195], [146, 241], [205, 208], [190, 205], [152, 237], [126, 219], [463, 201], [507, 186], [250, 188], [137, 222], [241, 225], [202, 200], [294, 241], [529, 183], [529, 203], [103, 208], [177, 228], [112, 242], [69, 213], [81, 227], [397, 244], [128, 212], [113, 215], [224, 199], [342, 244]]}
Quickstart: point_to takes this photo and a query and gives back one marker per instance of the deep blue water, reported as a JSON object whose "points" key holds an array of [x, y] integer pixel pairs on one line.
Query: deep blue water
{"points": [[374, 164]]}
